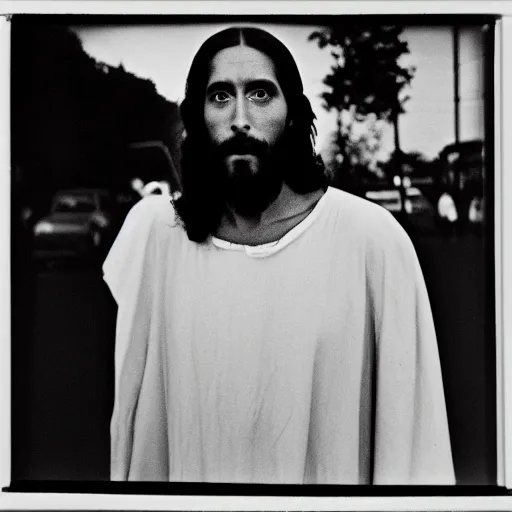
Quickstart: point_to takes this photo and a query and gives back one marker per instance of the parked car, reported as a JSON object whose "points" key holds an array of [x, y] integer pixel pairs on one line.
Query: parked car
{"points": [[415, 202], [79, 225], [389, 199]]}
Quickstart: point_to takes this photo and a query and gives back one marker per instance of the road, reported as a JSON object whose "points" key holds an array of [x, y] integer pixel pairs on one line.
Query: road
{"points": [[65, 379], [63, 342], [457, 274]]}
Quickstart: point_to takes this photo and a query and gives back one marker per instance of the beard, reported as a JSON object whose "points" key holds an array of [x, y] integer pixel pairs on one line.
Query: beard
{"points": [[249, 173]]}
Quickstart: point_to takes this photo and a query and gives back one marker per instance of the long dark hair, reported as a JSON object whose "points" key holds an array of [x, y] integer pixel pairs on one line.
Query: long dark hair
{"points": [[201, 204]]}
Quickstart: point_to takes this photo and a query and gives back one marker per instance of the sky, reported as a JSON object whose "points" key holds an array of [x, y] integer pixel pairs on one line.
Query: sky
{"points": [[163, 53]]}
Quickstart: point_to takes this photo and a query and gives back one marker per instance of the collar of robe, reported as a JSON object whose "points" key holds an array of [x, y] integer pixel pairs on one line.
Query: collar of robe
{"points": [[271, 248]]}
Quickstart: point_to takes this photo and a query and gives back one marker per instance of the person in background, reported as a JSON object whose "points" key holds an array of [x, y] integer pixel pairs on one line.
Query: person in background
{"points": [[270, 329], [447, 212], [156, 187], [138, 186]]}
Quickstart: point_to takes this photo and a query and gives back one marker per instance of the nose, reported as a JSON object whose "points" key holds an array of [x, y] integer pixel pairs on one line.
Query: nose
{"points": [[241, 120]]}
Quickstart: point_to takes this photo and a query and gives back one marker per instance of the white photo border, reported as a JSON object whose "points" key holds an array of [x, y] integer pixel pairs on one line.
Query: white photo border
{"points": [[504, 249], [503, 255]]}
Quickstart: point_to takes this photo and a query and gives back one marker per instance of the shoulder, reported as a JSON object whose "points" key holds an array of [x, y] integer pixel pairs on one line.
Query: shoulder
{"points": [[152, 215], [363, 216], [153, 210], [367, 223], [137, 244]]}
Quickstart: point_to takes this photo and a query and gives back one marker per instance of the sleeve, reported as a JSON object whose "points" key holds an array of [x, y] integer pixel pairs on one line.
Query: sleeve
{"points": [[411, 436], [138, 436]]}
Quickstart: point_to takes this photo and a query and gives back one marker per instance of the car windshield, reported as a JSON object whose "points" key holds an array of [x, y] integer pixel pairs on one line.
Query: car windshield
{"points": [[78, 204]]}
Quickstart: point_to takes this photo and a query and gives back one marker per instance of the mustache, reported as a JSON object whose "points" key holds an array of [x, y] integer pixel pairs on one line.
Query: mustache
{"points": [[243, 145]]}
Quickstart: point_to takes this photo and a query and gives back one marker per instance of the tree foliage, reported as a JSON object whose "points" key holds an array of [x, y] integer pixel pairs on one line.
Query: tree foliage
{"points": [[366, 76], [414, 164], [361, 141], [366, 79], [359, 164]]}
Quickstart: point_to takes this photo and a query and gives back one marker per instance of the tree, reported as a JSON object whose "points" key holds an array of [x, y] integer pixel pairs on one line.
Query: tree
{"points": [[359, 162], [366, 77], [414, 165], [73, 118]]}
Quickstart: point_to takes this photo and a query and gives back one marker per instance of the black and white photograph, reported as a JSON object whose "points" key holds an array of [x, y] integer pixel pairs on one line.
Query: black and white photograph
{"points": [[253, 250]]}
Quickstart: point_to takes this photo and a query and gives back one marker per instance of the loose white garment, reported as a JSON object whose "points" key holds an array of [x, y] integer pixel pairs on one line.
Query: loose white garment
{"points": [[310, 360]]}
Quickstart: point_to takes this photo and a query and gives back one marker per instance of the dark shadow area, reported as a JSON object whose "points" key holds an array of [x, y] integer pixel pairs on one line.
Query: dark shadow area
{"points": [[76, 126]]}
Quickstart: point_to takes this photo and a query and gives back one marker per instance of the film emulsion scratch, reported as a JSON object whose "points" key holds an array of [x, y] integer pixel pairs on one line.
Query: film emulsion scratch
{"points": [[254, 251]]}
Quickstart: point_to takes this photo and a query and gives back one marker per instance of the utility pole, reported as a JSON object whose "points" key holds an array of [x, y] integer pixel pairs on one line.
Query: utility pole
{"points": [[456, 98], [457, 192]]}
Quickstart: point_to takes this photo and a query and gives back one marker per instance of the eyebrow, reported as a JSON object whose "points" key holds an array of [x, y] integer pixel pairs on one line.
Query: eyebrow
{"points": [[219, 86], [260, 83]]}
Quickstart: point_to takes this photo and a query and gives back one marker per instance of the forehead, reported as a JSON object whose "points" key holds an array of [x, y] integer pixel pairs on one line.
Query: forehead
{"points": [[241, 63]]}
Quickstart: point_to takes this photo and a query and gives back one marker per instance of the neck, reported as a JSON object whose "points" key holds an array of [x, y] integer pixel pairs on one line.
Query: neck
{"points": [[286, 211], [241, 222], [275, 211]]}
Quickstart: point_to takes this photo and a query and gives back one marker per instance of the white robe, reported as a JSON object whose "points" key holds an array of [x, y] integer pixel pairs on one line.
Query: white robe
{"points": [[310, 360]]}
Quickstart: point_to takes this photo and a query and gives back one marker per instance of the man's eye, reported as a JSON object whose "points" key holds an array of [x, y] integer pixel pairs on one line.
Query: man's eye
{"points": [[219, 97], [260, 95]]}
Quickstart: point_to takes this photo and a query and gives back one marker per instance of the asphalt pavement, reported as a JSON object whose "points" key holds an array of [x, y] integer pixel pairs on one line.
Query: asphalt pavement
{"points": [[64, 359]]}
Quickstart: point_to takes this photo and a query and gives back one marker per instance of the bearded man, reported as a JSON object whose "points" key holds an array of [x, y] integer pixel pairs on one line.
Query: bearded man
{"points": [[270, 329]]}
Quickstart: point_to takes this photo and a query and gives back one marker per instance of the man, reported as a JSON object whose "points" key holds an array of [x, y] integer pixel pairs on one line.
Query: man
{"points": [[270, 329]]}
